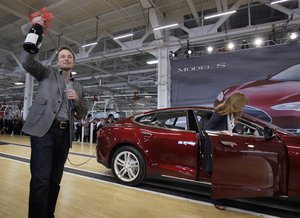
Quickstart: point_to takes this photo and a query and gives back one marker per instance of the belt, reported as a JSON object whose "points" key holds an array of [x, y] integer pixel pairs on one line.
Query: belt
{"points": [[61, 124]]}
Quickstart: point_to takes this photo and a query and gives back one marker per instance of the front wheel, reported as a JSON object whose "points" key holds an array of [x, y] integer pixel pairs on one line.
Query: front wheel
{"points": [[128, 166]]}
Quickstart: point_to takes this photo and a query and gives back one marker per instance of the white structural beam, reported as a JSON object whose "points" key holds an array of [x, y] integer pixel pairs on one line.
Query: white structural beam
{"points": [[163, 66], [163, 78], [194, 11], [153, 17], [218, 6]]}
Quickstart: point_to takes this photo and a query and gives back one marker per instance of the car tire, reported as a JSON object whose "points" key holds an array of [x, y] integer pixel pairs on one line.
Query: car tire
{"points": [[128, 166]]}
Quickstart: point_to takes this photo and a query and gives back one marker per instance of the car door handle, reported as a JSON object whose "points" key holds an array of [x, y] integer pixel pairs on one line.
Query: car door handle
{"points": [[147, 133], [186, 143], [228, 143], [250, 146]]}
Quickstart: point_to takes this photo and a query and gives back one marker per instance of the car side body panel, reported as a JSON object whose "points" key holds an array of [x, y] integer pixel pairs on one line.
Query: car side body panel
{"points": [[247, 166], [244, 165]]}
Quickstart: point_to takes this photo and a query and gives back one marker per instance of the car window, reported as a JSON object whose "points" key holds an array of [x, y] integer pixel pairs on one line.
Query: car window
{"points": [[203, 118], [171, 120], [289, 74], [247, 128], [146, 119]]}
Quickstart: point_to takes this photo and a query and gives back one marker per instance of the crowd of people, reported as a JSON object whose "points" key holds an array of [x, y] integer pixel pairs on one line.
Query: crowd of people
{"points": [[12, 126], [87, 124]]}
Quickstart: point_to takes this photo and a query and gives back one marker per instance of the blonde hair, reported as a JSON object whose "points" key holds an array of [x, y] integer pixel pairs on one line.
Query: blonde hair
{"points": [[233, 105]]}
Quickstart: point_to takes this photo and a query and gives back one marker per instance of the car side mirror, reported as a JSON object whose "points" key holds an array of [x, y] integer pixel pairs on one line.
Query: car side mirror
{"points": [[268, 133]]}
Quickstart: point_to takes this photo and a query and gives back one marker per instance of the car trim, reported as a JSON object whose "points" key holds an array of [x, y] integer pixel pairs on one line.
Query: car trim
{"points": [[177, 178]]}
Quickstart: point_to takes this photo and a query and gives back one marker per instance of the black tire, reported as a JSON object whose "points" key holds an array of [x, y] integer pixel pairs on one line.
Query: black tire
{"points": [[128, 166]]}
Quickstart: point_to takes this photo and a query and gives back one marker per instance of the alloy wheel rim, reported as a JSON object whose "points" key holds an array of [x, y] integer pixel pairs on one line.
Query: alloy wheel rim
{"points": [[127, 166]]}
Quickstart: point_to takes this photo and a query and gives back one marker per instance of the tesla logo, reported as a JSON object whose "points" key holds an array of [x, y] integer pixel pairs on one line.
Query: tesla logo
{"points": [[201, 67]]}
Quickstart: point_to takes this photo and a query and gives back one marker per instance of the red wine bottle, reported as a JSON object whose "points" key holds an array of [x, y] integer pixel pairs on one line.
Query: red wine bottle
{"points": [[34, 38]]}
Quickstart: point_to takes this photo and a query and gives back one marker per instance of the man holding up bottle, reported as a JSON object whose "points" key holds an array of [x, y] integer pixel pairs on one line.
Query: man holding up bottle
{"points": [[50, 125]]}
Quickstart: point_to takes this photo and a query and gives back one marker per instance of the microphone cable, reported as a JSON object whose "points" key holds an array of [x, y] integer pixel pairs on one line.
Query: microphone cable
{"points": [[80, 164]]}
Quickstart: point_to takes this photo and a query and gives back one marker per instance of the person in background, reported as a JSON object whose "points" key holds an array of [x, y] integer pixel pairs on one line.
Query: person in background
{"points": [[50, 126], [86, 125], [225, 117], [110, 119]]}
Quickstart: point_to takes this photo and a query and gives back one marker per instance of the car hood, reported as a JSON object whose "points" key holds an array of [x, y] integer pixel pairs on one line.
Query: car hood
{"points": [[269, 92]]}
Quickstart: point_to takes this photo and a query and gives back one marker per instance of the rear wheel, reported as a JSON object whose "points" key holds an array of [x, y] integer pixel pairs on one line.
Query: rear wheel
{"points": [[128, 166]]}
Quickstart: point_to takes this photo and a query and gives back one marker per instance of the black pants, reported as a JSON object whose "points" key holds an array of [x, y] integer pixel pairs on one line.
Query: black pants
{"points": [[48, 156]]}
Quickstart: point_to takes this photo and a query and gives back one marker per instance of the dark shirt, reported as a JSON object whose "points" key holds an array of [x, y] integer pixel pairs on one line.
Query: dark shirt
{"points": [[217, 122]]}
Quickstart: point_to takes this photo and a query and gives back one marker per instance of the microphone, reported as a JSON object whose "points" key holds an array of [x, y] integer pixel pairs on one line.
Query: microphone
{"points": [[69, 85]]}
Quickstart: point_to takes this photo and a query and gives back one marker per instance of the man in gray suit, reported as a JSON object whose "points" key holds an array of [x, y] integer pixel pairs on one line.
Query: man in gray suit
{"points": [[50, 126]]}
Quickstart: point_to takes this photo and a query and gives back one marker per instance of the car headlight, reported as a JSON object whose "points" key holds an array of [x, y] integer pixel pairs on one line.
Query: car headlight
{"points": [[292, 106]]}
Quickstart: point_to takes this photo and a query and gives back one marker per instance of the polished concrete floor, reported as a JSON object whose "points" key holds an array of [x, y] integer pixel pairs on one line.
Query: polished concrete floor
{"points": [[85, 197]]}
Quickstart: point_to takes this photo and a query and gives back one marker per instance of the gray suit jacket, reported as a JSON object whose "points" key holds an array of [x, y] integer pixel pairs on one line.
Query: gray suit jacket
{"points": [[46, 105]]}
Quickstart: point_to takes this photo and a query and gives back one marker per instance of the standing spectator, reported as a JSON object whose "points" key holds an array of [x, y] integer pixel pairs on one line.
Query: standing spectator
{"points": [[225, 118], [18, 124]]}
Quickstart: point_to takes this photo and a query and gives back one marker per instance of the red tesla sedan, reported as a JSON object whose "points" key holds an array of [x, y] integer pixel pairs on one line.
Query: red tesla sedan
{"points": [[260, 160], [275, 99]]}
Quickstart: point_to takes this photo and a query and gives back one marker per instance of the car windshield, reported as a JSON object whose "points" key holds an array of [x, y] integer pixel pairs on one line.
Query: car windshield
{"points": [[290, 74]]}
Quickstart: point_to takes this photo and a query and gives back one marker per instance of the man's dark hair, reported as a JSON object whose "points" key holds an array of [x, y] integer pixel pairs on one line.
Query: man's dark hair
{"points": [[65, 48]]}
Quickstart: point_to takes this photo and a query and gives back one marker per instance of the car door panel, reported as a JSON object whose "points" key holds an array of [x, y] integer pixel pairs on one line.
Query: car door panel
{"points": [[247, 166], [173, 152]]}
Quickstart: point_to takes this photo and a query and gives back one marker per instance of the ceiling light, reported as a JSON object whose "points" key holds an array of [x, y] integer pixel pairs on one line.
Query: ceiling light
{"points": [[123, 36], [152, 62], [164, 27], [210, 49], [90, 44], [279, 1], [73, 73], [18, 83], [172, 54], [258, 42], [230, 46], [220, 14], [293, 35], [244, 44]]}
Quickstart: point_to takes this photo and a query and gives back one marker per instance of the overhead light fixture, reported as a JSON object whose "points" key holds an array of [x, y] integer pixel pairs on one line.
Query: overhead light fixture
{"points": [[210, 49], [220, 14], [152, 62], [230, 46], [90, 44], [293, 35], [123, 36], [244, 44], [172, 54], [258, 42], [189, 49], [93, 43], [279, 1], [164, 27], [18, 83]]}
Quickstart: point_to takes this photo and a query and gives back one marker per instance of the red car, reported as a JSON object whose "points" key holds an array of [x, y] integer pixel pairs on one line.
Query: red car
{"points": [[260, 160], [275, 99]]}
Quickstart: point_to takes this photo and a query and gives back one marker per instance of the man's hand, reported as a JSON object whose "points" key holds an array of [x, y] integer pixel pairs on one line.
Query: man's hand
{"points": [[71, 94], [38, 20]]}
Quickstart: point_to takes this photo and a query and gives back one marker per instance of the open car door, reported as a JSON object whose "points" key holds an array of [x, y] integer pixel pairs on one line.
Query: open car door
{"points": [[248, 166]]}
